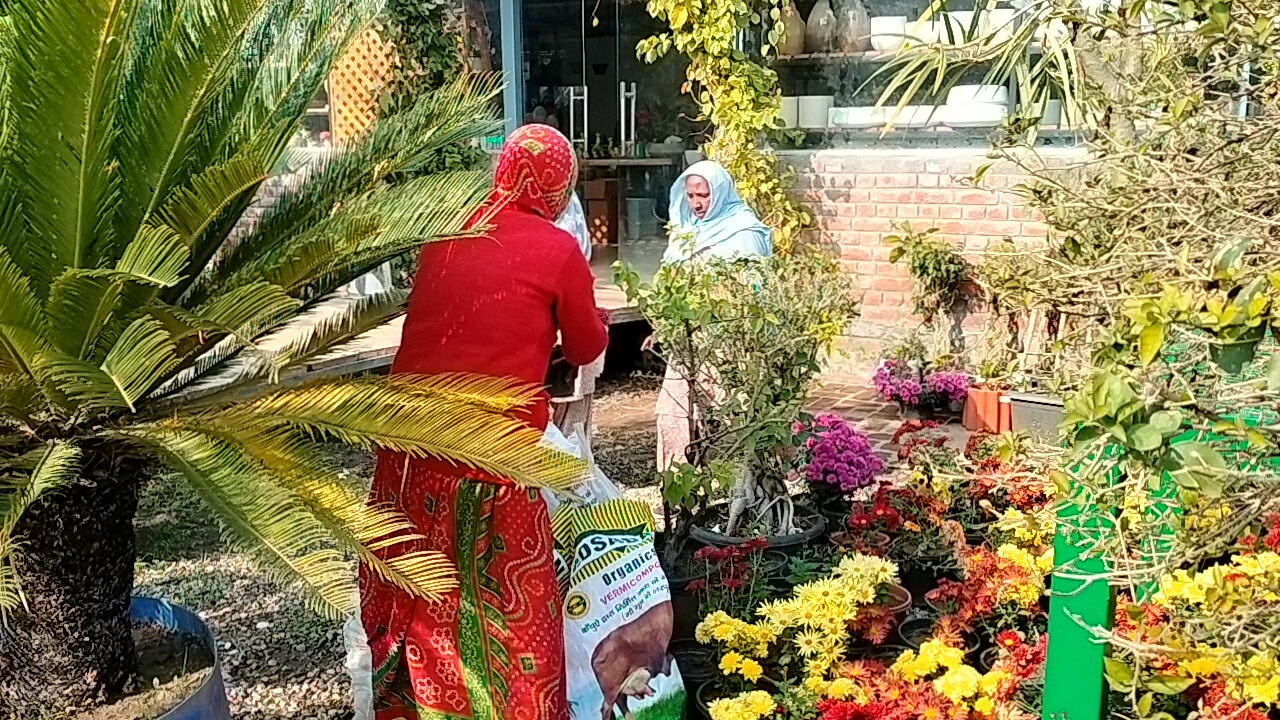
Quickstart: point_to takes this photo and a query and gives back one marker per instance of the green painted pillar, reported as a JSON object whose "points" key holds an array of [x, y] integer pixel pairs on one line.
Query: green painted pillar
{"points": [[1074, 685]]}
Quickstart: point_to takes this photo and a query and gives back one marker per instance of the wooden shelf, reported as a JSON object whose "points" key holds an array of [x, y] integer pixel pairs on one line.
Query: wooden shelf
{"points": [[869, 56]]}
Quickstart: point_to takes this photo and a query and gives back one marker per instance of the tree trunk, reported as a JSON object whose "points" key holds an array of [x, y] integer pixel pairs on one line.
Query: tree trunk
{"points": [[73, 646]]}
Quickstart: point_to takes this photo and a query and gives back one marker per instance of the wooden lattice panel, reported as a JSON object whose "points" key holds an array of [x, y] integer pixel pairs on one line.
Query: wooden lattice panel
{"points": [[355, 84]]}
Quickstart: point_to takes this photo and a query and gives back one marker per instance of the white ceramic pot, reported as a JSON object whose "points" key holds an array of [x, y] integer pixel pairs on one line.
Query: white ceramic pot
{"points": [[968, 94], [923, 32], [998, 25], [857, 118], [913, 116], [958, 23], [813, 110], [888, 34], [973, 115], [790, 112], [1052, 115]]}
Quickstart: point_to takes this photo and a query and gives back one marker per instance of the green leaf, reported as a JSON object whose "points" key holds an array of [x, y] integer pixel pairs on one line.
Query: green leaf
{"points": [[1144, 438], [1118, 671], [157, 256], [1273, 372], [1166, 422], [1144, 704], [1150, 340], [1169, 684]]}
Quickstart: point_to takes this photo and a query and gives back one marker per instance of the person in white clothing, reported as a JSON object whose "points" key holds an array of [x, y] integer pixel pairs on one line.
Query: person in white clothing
{"points": [[569, 412]]}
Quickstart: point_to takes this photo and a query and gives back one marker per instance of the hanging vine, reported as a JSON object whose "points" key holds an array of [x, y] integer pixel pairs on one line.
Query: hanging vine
{"points": [[737, 93]]}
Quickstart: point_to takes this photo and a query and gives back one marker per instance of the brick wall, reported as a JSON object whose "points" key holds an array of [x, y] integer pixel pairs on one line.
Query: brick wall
{"points": [[858, 195]]}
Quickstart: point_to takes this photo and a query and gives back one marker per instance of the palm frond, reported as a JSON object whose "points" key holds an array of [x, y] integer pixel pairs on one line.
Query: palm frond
{"points": [[455, 113], [386, 222], [364, 315], [21, 322], [400, 414], [191, 207], [63, 86], [135, 364], [260, 516], [53, 466], [248, 310], [157, 255], [367, 530], [19, 397]]}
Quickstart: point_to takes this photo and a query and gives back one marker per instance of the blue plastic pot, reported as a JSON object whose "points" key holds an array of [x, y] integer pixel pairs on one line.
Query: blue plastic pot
{"points": [[209, 701]]}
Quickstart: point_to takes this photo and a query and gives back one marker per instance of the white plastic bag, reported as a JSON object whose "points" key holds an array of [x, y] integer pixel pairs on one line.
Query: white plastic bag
{"points": [[617, 604], [359, 667]]}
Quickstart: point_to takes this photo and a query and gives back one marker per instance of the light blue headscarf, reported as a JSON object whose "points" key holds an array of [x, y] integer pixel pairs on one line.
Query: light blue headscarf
{"points": [[729, 230]]}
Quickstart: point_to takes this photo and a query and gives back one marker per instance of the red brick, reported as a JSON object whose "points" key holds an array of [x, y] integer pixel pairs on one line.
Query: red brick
{"points": [[864, 181], [996, 228], [974, 212], [875, 311], [895, 299], [887, 211], [950, 212], [927, 180], [865, 210], [976, 197], [888, 197], [908, 211], [871, 224], [1000, 212], [832, 223], [891, 284], [864, 268], [929, 211], [936, 197], [855, 252], [1033, 229], [895, 180]]}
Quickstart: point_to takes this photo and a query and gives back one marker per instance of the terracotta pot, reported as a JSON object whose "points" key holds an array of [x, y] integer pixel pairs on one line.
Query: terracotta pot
{"points": [[984, 411], [853, 27], [820, 29]]}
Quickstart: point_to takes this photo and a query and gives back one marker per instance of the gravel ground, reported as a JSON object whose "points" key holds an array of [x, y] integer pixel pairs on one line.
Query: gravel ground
{"points": [[281, 659]]}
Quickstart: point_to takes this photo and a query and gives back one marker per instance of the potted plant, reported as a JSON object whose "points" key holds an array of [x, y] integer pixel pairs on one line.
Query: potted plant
{"points": [[134, 308], [983, 409], [798, 637], [947, 389], [836, 459], [944, 281], [754, 356]]}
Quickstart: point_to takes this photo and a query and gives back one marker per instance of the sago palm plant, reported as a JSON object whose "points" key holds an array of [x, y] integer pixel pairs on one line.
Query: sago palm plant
{"points": [[133, 135]]}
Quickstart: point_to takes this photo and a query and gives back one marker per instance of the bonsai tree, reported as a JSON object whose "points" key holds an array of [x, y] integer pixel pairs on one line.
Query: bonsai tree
{"points": [[133, 135], [748, 337]]}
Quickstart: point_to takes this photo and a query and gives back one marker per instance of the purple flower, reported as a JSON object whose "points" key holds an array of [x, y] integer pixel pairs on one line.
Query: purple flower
{"points": [[950, 384], [841, 457]]}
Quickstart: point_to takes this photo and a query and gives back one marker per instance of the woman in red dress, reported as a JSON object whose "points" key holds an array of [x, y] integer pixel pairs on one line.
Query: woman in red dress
{"points": [[491, 305]]}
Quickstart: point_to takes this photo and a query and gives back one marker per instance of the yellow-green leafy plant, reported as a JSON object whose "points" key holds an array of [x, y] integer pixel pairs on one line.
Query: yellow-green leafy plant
{"points": [[737, 93], [133, 136]]}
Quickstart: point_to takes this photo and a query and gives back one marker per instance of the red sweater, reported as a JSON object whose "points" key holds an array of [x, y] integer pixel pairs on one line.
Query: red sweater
{"points": [[493, 305]]}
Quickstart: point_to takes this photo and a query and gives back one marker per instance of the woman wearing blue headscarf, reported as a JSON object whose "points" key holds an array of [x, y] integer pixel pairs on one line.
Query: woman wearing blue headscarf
{"points": [[711, 220], [708, 220]]}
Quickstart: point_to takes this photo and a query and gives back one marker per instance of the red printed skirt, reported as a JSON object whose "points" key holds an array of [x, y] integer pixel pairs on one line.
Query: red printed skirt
{"points": [[494, 648]]}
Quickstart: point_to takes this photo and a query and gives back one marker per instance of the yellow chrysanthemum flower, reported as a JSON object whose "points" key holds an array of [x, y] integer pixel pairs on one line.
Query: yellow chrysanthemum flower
{"points": [[841, 689], [984, 705], [958, 684], [730, 662], [750, 669]]}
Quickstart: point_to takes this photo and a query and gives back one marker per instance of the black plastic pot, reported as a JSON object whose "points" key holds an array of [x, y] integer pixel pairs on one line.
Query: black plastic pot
{"points": [[913, 633], [697, 663], [786, 543], [209, 701], [988, 658], [886, 654], [1233, 356], [709, 692]]}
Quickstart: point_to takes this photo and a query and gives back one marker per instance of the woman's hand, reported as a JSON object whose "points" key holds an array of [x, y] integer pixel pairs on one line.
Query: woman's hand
{"points": [[647, 345]]}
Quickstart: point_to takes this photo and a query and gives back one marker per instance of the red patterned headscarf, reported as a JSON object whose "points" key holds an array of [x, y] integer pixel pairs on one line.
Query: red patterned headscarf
{"points": [[536, 171]]}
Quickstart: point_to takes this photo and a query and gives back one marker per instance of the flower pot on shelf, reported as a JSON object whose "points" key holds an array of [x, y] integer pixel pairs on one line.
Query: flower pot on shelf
{"points": [[984, 411], [793, 41], [853, 27], [820, 29]]}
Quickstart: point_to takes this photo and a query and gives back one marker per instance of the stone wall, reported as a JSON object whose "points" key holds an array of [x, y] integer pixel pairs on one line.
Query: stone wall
{"points": [[859, 196]]}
